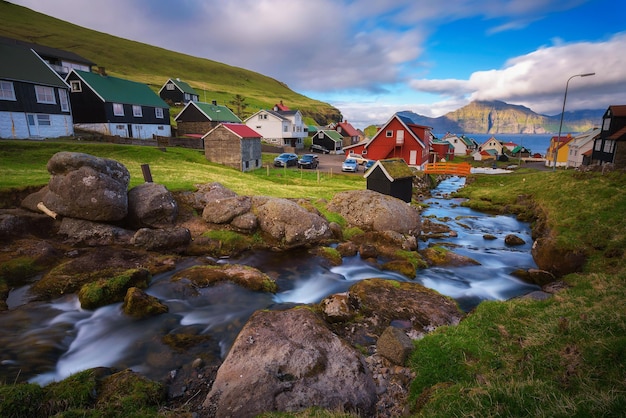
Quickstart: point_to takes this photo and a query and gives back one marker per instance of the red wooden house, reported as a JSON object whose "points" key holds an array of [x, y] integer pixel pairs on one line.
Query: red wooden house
{"points": [[400, 137]]}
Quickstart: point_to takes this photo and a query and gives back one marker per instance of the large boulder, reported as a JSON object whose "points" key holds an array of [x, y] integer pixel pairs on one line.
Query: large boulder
{"points": [[289, 224], [221, 211], [289, 361], [87, 187], [151, 205], [373, 211]]}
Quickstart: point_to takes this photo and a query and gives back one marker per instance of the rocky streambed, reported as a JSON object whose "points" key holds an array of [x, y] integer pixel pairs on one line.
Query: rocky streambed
{"points": [[240, 304]]}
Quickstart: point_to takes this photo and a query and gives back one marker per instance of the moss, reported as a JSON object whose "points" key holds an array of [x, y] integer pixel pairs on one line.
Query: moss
{"points": [[404, 267], [127, 394], [19, 268], [106, 291], [75, 392], [21, 400], [331, 254], [348, 233], [244, 276], [413, 257]]}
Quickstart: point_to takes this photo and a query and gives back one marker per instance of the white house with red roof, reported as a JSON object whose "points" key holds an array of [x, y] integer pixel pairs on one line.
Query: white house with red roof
{"points": [[279, 127], [400, 137], [234, 145]]}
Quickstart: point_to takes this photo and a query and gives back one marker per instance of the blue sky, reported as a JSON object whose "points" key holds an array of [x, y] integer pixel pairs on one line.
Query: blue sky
{"points": [[371, 59]]}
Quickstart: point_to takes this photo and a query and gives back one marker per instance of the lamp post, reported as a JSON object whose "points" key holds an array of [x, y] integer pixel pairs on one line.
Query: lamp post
{"points": [[558, 138]]}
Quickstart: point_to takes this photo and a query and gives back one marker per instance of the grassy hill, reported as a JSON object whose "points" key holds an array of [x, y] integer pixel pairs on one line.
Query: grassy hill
{"points": [[154, 66]]}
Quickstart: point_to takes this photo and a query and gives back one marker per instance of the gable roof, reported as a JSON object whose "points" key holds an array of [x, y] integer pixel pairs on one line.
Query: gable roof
{"points": [[392, 168], [181, 85], [619, 134], [332, 134], [348, 129], [22, 64], [119, 90], [281, 107], [406, 121], [47, 51], [239, 129], [618, 110], [276, 115], [585, 137], [213, 112]]}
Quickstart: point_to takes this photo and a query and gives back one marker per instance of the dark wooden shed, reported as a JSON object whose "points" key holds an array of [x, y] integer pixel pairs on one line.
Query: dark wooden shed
{"points": [[392, 177]]}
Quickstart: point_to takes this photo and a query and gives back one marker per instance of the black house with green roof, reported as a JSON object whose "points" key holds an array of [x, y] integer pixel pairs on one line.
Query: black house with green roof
{"points": [[392, 177], [117, 107], [177, 91]]}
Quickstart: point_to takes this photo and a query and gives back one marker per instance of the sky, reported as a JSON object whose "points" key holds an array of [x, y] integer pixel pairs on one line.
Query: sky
{"points": [[372, 58]]}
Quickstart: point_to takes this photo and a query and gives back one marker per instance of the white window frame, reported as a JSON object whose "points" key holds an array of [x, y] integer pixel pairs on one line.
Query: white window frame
{"points": [[137, 111], [118, 109], [76, 86], [158, 112], [7, 91], [63, 100], [389, 133], [169, 86], [45, 95]]}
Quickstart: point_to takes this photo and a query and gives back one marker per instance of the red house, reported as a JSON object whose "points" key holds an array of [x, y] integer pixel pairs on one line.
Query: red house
{"points": [[400, 137]]}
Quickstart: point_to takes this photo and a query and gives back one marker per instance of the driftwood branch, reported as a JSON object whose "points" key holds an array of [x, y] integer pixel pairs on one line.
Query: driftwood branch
{"points": [[47, 211]]}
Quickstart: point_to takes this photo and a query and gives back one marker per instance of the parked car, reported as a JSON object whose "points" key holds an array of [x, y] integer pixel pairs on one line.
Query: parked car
{"points": [[308, 161], [369, 164], [285, 160], [359, 158], [350, 164], [319, 149]]}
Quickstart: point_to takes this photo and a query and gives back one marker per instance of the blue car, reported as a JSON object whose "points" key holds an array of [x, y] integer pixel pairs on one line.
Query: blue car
{"points": [[369, 164], [350, 164], [285, 160]]}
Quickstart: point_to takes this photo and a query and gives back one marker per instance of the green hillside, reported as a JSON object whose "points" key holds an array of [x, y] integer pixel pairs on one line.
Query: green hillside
{"points": [[154, 66]]}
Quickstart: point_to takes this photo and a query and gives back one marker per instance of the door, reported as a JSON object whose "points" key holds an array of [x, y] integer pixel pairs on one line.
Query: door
{"points": [[33, 126], [413, 157]]}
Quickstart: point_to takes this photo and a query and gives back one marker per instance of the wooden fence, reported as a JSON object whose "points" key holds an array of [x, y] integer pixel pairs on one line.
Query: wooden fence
{"points": [[458, 169]]}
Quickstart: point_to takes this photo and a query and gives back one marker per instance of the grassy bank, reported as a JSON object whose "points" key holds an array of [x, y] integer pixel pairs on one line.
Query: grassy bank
{"points": [[560, 357]]}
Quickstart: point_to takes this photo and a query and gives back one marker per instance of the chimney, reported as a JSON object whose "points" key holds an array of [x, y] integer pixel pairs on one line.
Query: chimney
{"points": [[102, 71]]}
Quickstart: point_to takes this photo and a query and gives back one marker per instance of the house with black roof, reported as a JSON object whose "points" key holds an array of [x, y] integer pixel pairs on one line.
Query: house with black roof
{"points": [[117, 107], [34, 99]]}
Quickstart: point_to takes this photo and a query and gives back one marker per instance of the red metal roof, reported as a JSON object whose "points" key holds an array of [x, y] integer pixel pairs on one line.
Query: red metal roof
{"points": [[241, 130], [348, 129]]}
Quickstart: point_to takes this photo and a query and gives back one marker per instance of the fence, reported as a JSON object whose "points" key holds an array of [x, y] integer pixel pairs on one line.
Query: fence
{"points": [[459, 169]]}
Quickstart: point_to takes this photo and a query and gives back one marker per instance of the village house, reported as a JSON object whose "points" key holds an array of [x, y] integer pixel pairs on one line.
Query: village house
{"points": [[234, 145], [176, 91], [329, 140], [559, 147], [441, 150], [117, 107], [279, 127], [399, 137], [349, 133], [198, 118], [610, 146], [462, 144], [34, 99], [392, 177], [581, 147]]}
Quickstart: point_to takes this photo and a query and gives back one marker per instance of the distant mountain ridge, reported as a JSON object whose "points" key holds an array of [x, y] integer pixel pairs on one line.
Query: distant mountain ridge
{"points": [[497, 117]]}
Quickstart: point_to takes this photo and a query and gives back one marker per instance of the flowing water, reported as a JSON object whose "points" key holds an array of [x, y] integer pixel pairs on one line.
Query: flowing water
{"points": [[47, 342]]}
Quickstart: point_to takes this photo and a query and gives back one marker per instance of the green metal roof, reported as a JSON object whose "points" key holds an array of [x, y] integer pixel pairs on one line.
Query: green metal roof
{"points": [[334, 135], [22, 64], [118, 90], [217, 112], [186, 88]]}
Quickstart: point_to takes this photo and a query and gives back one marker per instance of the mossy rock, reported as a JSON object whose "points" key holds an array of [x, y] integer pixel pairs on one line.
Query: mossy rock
{"points": [[21, 400], [139, 304], [244, 276], [126, 393], [440, 256], [106, 291], [404, 267], [330, 254]]}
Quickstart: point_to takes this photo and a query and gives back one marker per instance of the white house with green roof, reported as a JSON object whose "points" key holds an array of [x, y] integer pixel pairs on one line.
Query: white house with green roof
{"points": [[34, 100], [117, 107], [178, 91], [198, 118]]}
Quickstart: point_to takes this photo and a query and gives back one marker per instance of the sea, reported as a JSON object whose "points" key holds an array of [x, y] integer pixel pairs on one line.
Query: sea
{"points": [[536, 143]]}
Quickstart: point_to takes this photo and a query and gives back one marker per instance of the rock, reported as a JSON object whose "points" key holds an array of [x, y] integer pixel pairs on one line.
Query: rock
{"points": [[339, 307], [489, 237], [440, 256], [139, 304], [370, 210], [222, 211], [394, 345], [106, 291], [513, 240], [18, 223], [151, 205], [289, 361], [244, 276], [207, 193], [80, 231], [560, 262], [247, 222], [86, 187], [173, 239], [288, 224], [535, 276]]}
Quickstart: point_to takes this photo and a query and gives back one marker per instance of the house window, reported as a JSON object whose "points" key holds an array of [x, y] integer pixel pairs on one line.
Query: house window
{"points": [[76, 86], [597, 145], [45, 94], [65, 105], [389, 133], [118, 109], [137, 112], [187, 97], [606, 124], [161, 128], [285, 128], [263, 116], [158, 112], [42, 120], [169, 86], [6, 91], [608, 146]]}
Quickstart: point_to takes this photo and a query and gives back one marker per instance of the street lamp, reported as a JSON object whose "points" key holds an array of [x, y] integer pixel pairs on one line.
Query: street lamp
{"points": [[558, 138]]}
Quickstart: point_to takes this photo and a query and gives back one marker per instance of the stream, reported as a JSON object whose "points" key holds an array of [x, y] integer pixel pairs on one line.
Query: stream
{"points": [[48, 341]]}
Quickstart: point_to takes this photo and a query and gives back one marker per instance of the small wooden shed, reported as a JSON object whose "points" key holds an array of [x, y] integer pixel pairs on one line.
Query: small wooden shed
{"points": [[392, 177], [234, 145]]}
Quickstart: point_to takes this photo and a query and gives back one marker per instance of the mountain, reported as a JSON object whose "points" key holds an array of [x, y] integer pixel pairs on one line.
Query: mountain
{"points": [[154, 66], [496, 117]]}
